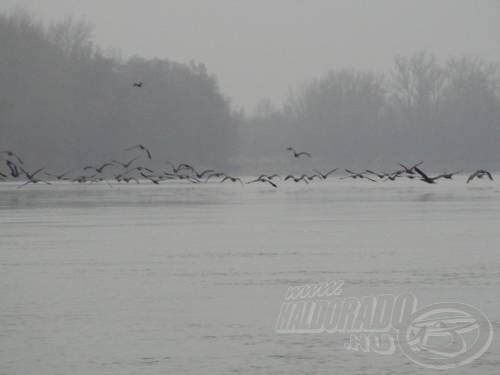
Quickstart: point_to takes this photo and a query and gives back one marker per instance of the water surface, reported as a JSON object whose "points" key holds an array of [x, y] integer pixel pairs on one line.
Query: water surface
{"points": [[183, 278]]}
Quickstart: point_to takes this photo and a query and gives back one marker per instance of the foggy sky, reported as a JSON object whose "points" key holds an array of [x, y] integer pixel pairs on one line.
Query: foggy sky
{"points": [[261, 48]]}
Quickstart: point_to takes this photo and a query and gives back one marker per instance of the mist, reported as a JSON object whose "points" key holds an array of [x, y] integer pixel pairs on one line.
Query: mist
{"points": [[355, 84]]}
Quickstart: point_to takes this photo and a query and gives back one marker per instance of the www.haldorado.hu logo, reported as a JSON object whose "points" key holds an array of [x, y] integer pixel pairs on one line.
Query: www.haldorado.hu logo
{"points": [[441, 335]]}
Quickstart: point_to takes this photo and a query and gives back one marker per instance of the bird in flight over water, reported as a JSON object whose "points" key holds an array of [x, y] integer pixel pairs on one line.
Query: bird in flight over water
{"points": [[298, 154], [12, 154], [140, 147], [480, 174]]}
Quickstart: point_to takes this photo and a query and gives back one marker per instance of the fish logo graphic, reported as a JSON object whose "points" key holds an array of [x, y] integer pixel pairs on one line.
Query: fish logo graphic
{"points": [[445, 335]]}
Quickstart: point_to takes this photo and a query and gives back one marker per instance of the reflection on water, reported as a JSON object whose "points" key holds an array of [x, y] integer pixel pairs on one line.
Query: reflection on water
{"points": [[183, 278]]}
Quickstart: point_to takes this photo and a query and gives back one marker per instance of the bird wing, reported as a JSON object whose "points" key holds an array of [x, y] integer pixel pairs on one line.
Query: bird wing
{"points": [[17, 157], [185, 166], [330, 172], [271, 183], [472, 176], [119, 162], [304, 153], [489, 175], [421, 173], [36, 172], [404, 166]]}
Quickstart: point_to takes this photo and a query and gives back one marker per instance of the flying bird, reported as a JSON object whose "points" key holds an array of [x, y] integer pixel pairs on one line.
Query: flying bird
{"points": [[355, 175], [232, 179], [180, 167], [449, 176], [410, 170], [59, 176], [379, 175], [142, 148], [324, 176], [298, 154], [127, 164], [12, 154], [203, 173], [297, 179], [313, 176], [215, 175], [270, 177], [98, 169], [140, 169], [138, 84], [480, 174], [14, 171], [31, 177], [264, 179], [425, 178]]}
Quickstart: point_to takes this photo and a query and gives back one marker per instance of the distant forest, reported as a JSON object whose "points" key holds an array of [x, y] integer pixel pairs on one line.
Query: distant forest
{"points": [[447, 115], [64, 103]]}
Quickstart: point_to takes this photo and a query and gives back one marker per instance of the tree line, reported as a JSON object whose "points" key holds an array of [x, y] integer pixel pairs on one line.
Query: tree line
{"points": [[64, 103], [447, 114]]}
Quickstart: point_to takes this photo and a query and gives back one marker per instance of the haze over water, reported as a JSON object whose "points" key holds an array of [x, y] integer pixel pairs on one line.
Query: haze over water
{"points": [[187, 279]]}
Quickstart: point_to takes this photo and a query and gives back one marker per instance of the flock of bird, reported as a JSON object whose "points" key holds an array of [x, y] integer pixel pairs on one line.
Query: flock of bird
{"points": [[130, 171]]}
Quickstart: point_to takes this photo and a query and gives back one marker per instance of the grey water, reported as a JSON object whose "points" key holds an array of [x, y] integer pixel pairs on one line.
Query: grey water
{"points": [[189, 279]]}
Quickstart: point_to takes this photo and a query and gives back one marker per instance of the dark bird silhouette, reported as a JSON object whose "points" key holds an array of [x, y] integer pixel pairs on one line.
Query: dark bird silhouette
{"points": [[355, 175], [232, 179], [83, 179], [154, 179], [12, 154], [395, 175], [203, 173], [449, 176], [313, 176], [14, 171], [180, 167], [214, 175], [127, 164], [142, 148], [98, 169], [324, 176], [425, 178], [58, 176], [138, 84], [140, 169], [379, 175], [264, 179], [410, 170], [269, 177], [298, 154], [297, 179], [31, 177], [128, 179], [192, 179], [480, 174]]}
